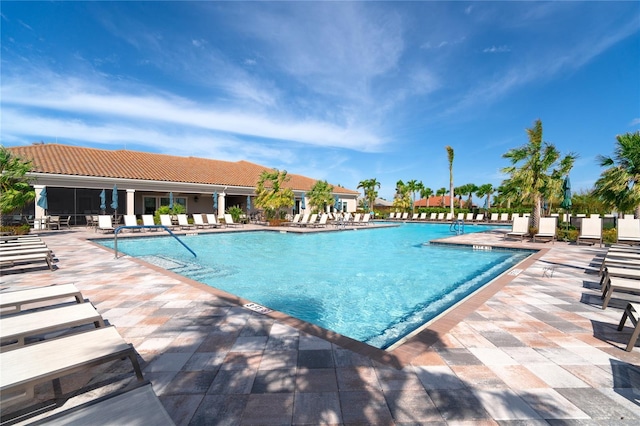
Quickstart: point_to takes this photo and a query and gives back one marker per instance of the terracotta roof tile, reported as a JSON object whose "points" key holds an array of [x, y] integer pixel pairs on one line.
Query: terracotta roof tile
{"points": [[80, 161]]}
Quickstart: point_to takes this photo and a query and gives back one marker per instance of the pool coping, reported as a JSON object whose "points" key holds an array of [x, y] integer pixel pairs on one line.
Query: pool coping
{"points": [[415, 344]]}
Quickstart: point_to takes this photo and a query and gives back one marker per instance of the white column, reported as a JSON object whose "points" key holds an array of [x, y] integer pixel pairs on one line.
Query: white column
{"points": [[39, 210], [221, 205], [131, 201]]}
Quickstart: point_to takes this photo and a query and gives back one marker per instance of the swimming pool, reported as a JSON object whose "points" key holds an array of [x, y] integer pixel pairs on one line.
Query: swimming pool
{"points": [[373, 285]]}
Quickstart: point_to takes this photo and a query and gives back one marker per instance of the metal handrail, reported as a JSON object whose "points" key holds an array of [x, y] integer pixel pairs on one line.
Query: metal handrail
{"points": [[115, 236], [457, 226]]}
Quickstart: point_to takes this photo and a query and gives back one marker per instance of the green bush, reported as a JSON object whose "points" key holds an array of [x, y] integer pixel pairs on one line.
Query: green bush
{"points": [[610, 236], [235, 213]]}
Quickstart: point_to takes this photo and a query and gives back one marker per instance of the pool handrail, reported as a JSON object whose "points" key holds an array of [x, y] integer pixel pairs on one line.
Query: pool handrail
{"points": [[115, 236]]}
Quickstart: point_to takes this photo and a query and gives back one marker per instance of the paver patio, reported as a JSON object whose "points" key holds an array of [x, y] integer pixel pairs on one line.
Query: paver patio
{"points": [[534, 347]]}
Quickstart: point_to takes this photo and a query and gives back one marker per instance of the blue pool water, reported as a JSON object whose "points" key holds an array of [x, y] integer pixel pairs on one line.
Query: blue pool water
{"points": [[373, 285]]}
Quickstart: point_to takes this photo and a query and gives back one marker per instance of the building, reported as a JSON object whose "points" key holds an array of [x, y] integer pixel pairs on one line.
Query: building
{"points": [[437, 201], [74, 178]]}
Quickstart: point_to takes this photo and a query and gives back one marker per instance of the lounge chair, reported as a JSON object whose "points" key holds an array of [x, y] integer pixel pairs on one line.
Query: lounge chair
{"points": [[28, 258], [312, 220], [629, 231], [198, 221], [469, 217], [415, 216], [441, 217], [302, 222], [24, 368], [322, 223], [504, 217], [295, 220], [631, 312], [590, 231], [392, 215], [423, 216], [405, 216], [228, 220], [460, 216], [519, 228], [449, 217], [12, 301], [356, 219], [66, 222], [212, 220], [89, 219], [365, 219], [147, 220], [165, 220], [137, 406], [17, 328], [433, 216], [183, 222], [105, 224], [479, 217], [614, 284], [131, 220], [547, 229]]}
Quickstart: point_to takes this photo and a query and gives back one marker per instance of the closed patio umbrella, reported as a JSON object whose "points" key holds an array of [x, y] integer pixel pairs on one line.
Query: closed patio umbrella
{"points": [[566, 193], [336, 204], [171, 201], [103, 200], [114, 198], [215, 201], [302, 203], [42, 201], [248, 203]]}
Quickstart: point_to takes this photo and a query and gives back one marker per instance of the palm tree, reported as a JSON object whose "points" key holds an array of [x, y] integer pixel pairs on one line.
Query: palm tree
{"points": [[15, 188], [619, 185], [450, 158], [271, 194], [414, 186], [442, 192], [533, 168], [467, 189], [369, 190], [488, 190], [402, 199], [426, 193], [320, 196]]}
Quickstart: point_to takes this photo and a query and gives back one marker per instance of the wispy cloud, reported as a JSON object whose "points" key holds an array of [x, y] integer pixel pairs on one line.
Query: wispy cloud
{"points": [[635, 122], [496, 49]]}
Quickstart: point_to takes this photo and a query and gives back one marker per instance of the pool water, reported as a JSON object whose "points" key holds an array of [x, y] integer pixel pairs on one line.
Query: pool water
{"points": [[373, 285]]}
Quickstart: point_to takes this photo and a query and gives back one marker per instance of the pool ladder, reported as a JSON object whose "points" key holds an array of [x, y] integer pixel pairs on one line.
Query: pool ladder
{"points": [[457, 227], [119, 228]]}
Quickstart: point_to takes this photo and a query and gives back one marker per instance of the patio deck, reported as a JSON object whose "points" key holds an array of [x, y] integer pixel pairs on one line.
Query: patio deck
{"points": [[534, 347]]}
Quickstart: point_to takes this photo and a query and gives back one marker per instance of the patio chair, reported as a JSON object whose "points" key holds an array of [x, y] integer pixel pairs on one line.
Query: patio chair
{"points": [[405, 216], [519, 228], [198, 221], [23, 368], [449, 217], [295, 220], [322, 223], [590, 231], [147, 220], [66, 222], [440, 217], [131, 220], [136, 406], [105, 224], [26, 258], [366, 218], [228, 220], [415, 216], [312, 220], [54, 222], [504, 217], [615, 284], [16, 329], [629, 231], [392, 215], [469, 217], [89, 219], [423, 216], [547, 229], [183, 222], [165, 220], [433, 216], [12, 302], [632, 312], [460, 216], [212, 221], [479, 217]]}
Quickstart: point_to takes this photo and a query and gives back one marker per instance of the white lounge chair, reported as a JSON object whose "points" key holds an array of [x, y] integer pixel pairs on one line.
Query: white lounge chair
{"points": [[460, 216], [212, 220], [440, 216], [312, 220], [590, 231], [198, 221], [17, 328], [449, 217], [228, 220], [105, 224], [423, 216], [479, 217], [366, 218], [519, 228], [631, 312], [392, 215], [504, 217], [547, 229], [183, 222], [433, 216], [302, 222], [356, 219], [629, 231], [165, 220], [405, 216], [131, 220], [415, 216], [28, 258], [614, 284], [469, 217], [12, 302], [295, 220], [322, 223], [23, 368], [147, 220]]}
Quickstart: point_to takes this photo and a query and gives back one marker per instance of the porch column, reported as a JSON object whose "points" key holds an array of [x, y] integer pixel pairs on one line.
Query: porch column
{"points": [[221, 205], [130, 201], [40, 212]]}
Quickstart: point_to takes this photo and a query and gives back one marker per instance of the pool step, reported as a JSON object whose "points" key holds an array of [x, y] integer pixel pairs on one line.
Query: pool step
{"points": [[192, 270]]}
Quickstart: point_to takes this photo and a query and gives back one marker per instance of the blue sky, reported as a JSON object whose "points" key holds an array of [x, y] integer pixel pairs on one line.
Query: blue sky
{"points": [[343, 91]]}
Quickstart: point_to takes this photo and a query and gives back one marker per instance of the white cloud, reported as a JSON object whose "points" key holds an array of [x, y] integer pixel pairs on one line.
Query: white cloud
{"points": [[496, 49], [635, 122]]}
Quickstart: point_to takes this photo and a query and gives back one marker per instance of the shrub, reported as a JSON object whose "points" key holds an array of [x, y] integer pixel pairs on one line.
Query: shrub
{"points": [[610, 236]]}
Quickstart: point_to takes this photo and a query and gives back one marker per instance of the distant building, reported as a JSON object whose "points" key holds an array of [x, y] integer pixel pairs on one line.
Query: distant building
{"points": [[75, 176], [437, 201]]}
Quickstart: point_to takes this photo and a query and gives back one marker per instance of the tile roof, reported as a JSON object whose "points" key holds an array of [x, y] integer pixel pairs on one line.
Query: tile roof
{"points": [[124, 164], [436, 201]]}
